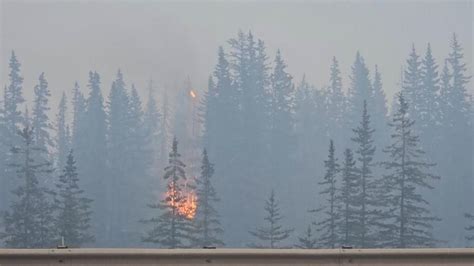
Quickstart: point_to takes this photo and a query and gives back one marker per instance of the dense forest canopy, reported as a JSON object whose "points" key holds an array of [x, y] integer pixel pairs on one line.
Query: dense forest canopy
{"points": [[261, 158]]}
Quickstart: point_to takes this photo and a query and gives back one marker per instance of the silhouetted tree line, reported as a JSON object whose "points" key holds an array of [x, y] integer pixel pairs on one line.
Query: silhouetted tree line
{"points": [[93, 177]]}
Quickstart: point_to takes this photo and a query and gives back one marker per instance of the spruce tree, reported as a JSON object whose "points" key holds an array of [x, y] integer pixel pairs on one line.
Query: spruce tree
{"points": [[118, 145], [329, 213], [412, 83], [171, 228], [165, 128], [455, 161], [40, 120], [29, 221], [379, 112], [408, 221], [13, 98], [208, 115], [307, 240], [12, 121], [272, 232], [152, 122], [360, 90], [73, 208], [367, 200], [91, 157], [207, 224], [430, 115], [336, 103], [349, 198], [63, 138], [283, 146], [79, 109]]}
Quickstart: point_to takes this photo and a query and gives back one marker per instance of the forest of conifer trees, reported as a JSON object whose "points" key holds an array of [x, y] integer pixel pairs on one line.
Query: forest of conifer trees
{"points": [[261, 159]]}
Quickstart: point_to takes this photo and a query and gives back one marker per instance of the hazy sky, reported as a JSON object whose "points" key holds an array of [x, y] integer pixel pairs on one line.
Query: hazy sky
{"points": [[168, 41]]}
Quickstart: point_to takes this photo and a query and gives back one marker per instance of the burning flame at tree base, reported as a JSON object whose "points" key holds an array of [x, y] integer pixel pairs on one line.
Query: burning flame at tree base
{"points": [[185, 202]]}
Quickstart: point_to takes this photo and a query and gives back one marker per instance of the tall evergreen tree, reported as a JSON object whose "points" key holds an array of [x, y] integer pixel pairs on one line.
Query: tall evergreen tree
{"points": [[73, 219], [165, 127], [152, 122], [408, 219], [207, 224], [412, 83], [456, 161], [12, 120], [79, 109], [63, 138], [171, 228], [326, 225], [13, 97], [91, 157], [307, 240], [273, 232], [118, 141], [379, 112], [29, 222], [365, 150], [336, 103], [40, 120], [360, 90], [282, 143], [349, 198]]}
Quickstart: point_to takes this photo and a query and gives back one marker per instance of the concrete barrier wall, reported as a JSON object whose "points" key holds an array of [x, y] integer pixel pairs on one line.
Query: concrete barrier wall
{"points": [[259, 257]]}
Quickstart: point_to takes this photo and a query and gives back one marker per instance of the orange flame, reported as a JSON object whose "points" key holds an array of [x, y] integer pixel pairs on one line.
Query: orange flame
{"points": [[185, 204], [192, 93]]}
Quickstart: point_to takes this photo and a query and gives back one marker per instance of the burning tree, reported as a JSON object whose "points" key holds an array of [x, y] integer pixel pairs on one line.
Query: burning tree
{"points": [[172, 228]]}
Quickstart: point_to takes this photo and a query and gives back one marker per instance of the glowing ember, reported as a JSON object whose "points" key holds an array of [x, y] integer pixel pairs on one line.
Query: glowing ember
{"points": [[185, 202], [192, 93], [188, 209]]}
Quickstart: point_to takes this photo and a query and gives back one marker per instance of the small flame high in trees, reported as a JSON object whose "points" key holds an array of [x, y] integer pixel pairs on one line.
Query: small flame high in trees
{"points": [[173, 227]]}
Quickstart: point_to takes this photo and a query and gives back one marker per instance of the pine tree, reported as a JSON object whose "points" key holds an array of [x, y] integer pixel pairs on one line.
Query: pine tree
{"points": [[360, 90], [79, 109], [349, 199], [308, 240], [40, 120], [273, 232], [327, 225], [12, 120], [207, 224], [152, 122], [63, 138], [412, 83], [282, 137], [336, 105], [456, 160], [209, 108], [29, 222], [171, 228], [365, 150], [408, 219], [73, 218], [118, 145], [379, 112], [13, 98], [91, 157], [165, 127]]}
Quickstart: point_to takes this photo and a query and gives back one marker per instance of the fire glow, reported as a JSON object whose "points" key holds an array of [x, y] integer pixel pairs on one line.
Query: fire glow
{"points": [[192, 93], [184, 202]]}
